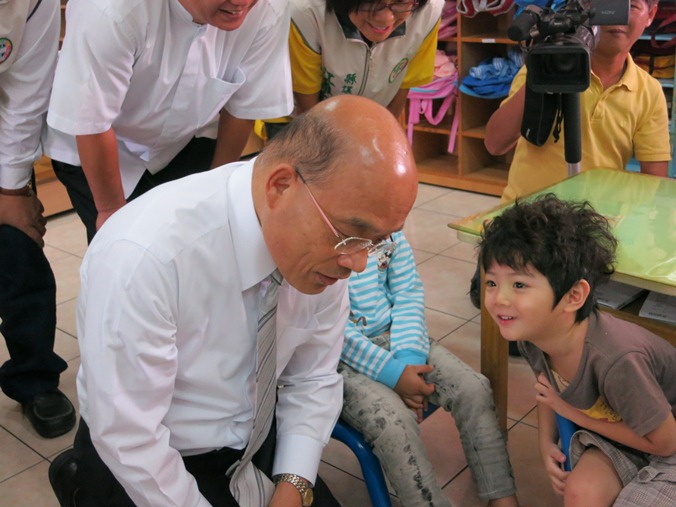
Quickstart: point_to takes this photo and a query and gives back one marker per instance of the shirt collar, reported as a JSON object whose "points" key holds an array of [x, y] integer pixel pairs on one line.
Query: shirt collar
{"points": [[182, 13], [351, 32], [630, 76], [253, 257]]}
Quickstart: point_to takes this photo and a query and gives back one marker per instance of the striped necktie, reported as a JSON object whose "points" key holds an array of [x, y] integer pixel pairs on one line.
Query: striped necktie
{"points": [[250, 486]]}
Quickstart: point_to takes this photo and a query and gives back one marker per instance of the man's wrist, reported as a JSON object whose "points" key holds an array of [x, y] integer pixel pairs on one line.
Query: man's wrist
{"points": [[26, 191], [303, 486]]}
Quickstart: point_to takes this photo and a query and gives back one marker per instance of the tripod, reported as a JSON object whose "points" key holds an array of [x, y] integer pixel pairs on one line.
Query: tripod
{"points": [[544, 110]]}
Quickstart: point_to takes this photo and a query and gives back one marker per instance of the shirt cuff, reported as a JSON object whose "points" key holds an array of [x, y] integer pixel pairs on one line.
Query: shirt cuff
{"points": [[410, 357], [15, 178], [391, 372], [298, 454]]}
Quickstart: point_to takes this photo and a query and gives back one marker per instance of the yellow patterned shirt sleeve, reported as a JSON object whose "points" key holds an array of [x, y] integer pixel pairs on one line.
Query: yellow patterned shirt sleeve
{"points": [[421, 69], [306, 64]]}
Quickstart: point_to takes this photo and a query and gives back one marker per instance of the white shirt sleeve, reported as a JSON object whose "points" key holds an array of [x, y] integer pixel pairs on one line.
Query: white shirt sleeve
{"points": [[311, 398], [24, 95], [96, 65], [267, 92], [129, 328]]}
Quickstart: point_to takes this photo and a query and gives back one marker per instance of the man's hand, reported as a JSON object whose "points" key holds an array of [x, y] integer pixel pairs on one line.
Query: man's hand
{"points": [[413, 389], [286, 495], [24, 212]]}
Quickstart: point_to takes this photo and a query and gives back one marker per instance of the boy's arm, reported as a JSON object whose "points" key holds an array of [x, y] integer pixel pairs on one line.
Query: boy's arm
{"points": [[410, 342], [367, 358], [660, 441], [379, 365], [552, 457]]}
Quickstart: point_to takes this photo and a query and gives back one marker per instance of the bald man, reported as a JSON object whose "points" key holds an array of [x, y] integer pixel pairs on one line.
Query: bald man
{"points": [[168, 306]]}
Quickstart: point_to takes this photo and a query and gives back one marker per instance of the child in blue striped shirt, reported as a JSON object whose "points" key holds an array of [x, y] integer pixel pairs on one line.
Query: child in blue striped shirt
{"points": [[391, 369]]}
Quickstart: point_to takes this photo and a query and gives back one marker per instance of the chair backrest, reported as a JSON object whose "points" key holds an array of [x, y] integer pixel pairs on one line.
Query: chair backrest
{"points": [[566, 430]]}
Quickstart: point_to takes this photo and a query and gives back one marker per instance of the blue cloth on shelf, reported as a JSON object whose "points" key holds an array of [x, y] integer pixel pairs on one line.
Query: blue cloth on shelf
{"points": [[492, 78]]}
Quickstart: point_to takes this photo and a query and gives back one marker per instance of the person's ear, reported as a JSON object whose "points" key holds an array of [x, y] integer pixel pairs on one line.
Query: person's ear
{"points": [[277, 185], [651, 14], [577, 296]]}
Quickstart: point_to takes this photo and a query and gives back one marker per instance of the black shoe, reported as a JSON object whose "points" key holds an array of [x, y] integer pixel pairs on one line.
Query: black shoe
{"points": [[62, 478], [50, 413]]}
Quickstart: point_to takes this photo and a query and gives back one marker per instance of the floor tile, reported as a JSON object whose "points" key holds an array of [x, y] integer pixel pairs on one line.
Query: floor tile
{"points": [[460, 204], [16, 456], [446, 283], [428, 193], [421, 256], [428, 231], [66, 272], [65, 317], [66, 346], [67, 233], [532, 483], [28, 489], [462, 251], [440, 324]]}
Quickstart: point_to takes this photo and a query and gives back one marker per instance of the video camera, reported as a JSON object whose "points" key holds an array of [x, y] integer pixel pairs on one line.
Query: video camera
{"points": [[559, 43], [557, 46]]}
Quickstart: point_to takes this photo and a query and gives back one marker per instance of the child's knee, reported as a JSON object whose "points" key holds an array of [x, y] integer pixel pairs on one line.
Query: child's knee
{"points": [[593, 481], [580, 491], [474, 389]]}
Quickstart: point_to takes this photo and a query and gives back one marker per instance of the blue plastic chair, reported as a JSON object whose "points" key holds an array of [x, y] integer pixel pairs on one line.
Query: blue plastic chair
{"points": [[370, 466], [369, 463], [566, 430]]}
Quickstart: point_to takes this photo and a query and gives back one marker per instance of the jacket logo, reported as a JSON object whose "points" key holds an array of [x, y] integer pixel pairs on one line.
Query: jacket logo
{"points": [[398, 69]]}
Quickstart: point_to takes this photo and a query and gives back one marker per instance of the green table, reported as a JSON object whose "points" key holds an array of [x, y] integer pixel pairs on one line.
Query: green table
{"points": [[642, 210]]}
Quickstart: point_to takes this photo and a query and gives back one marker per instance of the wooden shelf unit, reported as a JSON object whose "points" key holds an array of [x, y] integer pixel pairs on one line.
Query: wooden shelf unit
{"points": [[470, 166]]}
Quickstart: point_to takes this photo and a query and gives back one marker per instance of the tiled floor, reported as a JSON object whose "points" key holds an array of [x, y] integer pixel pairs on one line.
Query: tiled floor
{"points": [[446, 266]]}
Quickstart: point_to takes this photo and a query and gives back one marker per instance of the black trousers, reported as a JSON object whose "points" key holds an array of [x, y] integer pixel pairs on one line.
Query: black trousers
{"points": [[28, 313], [194, 158], [99, 488]]}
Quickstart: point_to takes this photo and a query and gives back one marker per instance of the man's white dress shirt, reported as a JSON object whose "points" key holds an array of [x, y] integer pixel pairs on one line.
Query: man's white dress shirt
{"points": [[25, 84], [144, 68], [167, 318]]}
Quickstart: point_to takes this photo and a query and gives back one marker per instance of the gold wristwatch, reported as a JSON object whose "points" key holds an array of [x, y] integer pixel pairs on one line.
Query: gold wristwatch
{"points": [[302, 485]]}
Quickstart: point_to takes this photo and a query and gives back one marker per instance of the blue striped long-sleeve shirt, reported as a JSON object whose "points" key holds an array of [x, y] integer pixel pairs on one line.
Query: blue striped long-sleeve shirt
{"points": [[387, 296]]}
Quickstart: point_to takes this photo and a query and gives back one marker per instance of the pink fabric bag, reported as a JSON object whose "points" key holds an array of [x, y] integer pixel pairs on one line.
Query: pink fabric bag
{"points": [[421, 102]]}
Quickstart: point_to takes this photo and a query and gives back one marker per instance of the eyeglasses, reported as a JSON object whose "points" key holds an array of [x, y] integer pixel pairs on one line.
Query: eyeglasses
{"points": [[349, 245], [395, 7]]}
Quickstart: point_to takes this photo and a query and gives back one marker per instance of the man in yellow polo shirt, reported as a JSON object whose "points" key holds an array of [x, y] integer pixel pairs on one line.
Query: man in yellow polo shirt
{"points": [[623, 113]]}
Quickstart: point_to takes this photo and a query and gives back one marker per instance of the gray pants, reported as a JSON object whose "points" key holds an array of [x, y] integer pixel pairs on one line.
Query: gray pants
{"points": [[392, 429]]}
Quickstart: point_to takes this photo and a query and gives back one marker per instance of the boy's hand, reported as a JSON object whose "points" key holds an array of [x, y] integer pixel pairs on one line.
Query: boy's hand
{"points": [[547, 395], [413, 389], [553, 459]]}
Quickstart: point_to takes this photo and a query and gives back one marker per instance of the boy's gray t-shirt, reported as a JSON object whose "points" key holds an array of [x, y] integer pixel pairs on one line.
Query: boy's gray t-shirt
{"points": [[626, 373]]}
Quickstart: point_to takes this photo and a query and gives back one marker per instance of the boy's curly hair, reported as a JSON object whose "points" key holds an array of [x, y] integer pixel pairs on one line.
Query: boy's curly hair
{"points": [[565, 241]]}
